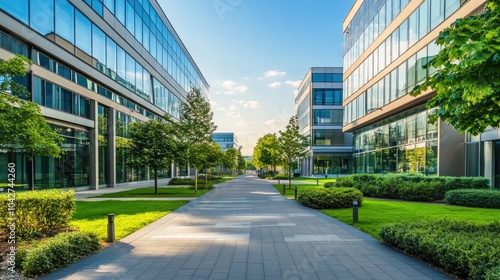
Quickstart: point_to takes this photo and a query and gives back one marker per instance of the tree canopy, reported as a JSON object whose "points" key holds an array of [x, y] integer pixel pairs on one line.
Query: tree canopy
{"points": [[266, 152], [153, 144], [467, 79], [292, 144], [23, 129], [196, 128]]}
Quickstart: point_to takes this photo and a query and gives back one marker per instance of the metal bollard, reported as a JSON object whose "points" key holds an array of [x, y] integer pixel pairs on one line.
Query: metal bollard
{"points": [[317, 182], [295, 189], [355, 211], [284, 189], [111, 228], [279, 181]]}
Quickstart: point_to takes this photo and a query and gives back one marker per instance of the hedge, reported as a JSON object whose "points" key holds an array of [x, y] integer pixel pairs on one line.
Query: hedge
{"points": [[464, 249], [56, 252], [408, 187], [323, 198], [181, 181], [37, 212], [474, 198]]}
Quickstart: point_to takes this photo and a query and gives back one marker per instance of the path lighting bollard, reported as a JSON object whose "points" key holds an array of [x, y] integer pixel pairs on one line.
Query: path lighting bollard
{"points": [[284, 188], [355, 211], [111, 228], [295, 189], [279, 181], [317, 182]]}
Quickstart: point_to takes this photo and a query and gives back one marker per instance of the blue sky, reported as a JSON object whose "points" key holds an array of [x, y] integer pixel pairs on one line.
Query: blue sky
{"points": [[254, 53]]}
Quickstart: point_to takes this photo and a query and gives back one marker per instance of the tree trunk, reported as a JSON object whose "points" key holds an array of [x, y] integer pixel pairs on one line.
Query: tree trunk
{"points": [[31, 172], [195, 180], [206, 181], [289, 176], [156, 180]]}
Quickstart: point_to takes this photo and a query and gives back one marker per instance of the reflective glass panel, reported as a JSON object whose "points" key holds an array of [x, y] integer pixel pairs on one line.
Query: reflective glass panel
{"points": [[83, 33], [42, 16], [98, 43], [18, 9], [65, 20]]}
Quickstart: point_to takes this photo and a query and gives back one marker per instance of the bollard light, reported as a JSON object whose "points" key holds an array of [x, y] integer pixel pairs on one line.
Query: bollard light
{"points": [[355, 211], [284, 189], [295, 190], [317, 182], [111, 228]]}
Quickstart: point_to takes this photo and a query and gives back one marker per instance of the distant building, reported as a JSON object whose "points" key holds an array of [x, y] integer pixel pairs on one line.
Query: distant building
{"points": [[225, 140], [319, 109], [386, 42]]}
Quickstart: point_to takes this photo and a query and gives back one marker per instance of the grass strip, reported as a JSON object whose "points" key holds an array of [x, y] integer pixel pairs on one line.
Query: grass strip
{"points": [[162, 192], [129, 215], [375, 213]]}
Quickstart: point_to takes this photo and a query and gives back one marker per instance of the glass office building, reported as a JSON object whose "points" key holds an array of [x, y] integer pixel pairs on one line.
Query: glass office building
{"points": [[226, 140], [98, 66], [319, 109], [386, 42]]}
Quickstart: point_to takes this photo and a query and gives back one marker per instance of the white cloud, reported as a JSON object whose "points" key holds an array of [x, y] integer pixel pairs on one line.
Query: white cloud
{"points": [[249, 104], [213, 104], [231, 108], [233, 115], [274, 85], [274, 73], [233, 87], [294, 84]]}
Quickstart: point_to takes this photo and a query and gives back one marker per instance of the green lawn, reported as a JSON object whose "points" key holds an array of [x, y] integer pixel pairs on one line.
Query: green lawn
{"points": [[162, 192], [129, 215], [374, 213], [290, 192]]}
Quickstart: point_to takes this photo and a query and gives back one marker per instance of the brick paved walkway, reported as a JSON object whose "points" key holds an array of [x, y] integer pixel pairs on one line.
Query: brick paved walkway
{"points": [[244, 229]]}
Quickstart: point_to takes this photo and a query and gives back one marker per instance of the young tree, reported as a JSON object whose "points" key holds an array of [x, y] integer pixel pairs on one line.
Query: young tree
{"points": [[242, 163], [266, 152], [23, 129], [213, 157], [153, 144], [230, 159], [196, 128], [467, 79], [292, 145]]}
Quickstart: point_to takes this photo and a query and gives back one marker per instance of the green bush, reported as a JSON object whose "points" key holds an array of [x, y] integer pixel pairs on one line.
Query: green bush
{"points": [[464, 249], [474, 198], [323, 198], [57, 252], [37, 212], [412, 187], [493, 274], [181, 181]]}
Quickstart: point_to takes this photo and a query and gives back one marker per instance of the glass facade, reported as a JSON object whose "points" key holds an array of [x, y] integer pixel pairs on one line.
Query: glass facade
{"points": [[152, 75], [405, 143], [409, 73]]}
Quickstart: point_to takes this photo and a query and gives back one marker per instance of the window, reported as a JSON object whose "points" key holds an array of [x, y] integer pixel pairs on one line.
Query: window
{"points": [[437, 12], [42, 16], [98, 44], [19, 9], [424, 19], [120, 10], [65, 20], [83, 33], [111, 57]]}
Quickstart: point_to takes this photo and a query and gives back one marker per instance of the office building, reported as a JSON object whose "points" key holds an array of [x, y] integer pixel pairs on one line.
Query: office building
{"points": [[386, 42], [226, 140], [98, 66], [319, 109]]}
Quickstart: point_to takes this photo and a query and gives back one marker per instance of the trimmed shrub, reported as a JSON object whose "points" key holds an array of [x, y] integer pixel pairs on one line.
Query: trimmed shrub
{"points": [[57, 252], [464, 249], [493, 274], [412, 187], [181, 181], [38, 212], [323, 198], [474, 198]]}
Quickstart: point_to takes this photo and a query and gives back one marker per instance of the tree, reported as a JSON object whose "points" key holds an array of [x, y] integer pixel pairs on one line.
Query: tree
{"points": [[467, 79], [153, 144], [196, 128], [292, 145], [230, 160], [242, 163], [23, 129], [266, 152], [213, 156]]}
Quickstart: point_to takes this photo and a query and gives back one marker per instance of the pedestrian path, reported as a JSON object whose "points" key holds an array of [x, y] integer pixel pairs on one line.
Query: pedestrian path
{"points": [[244, 229]]}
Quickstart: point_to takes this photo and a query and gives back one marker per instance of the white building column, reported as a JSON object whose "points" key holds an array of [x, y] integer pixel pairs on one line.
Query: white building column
{"points": [[489, 161]]}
